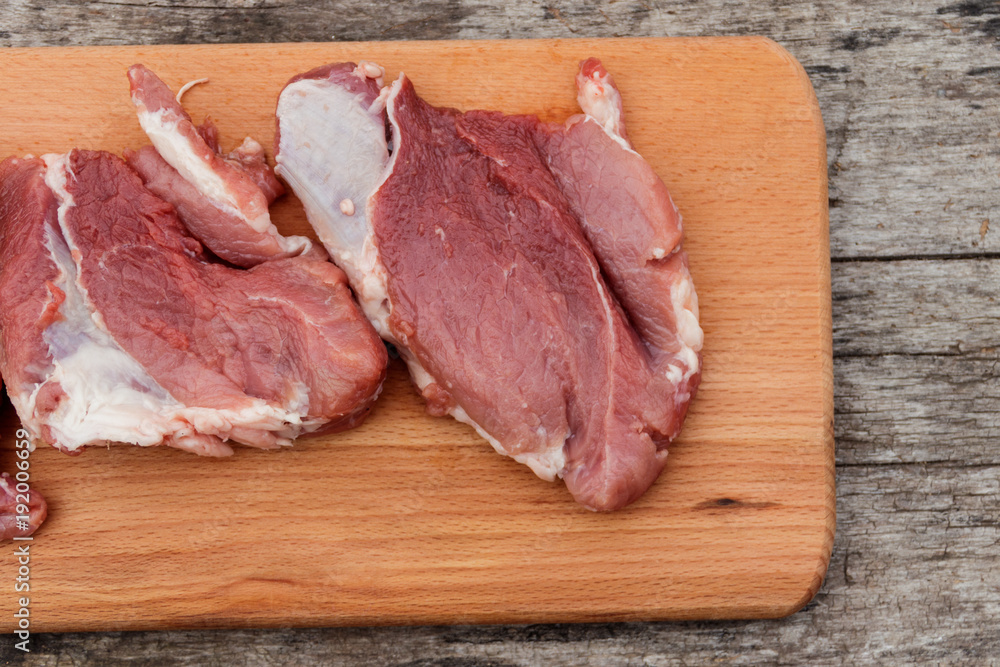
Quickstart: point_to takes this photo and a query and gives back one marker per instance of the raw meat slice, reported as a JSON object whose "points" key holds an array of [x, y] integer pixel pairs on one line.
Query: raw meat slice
{"points": [[117, 328], [630, 221], [530, 274], [223, 200]]}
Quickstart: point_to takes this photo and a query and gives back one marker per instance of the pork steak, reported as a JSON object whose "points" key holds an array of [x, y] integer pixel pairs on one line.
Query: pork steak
{"points": [[118, 327], [530, 274]]}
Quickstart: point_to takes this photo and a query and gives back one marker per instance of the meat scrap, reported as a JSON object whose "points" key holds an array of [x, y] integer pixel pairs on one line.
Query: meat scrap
{"points": [[222, 199], [118, 326], [13, 504], [530, 274], [22, 509]]}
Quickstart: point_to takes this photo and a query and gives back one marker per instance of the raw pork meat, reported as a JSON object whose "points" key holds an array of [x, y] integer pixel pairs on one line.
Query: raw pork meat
{"points": [[530, 274], [117, 327], [223, 200]]}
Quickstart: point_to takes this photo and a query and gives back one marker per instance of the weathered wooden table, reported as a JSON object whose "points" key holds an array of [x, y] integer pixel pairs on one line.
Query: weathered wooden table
{"points": [[910, 93]]}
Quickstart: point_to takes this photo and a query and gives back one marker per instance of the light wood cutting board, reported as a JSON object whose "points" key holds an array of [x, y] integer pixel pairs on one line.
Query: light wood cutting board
{"points": [[411, 519]]}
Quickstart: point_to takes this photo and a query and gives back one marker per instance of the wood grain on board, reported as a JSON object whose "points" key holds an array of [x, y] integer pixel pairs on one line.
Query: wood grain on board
{"points": [[412, 519]]}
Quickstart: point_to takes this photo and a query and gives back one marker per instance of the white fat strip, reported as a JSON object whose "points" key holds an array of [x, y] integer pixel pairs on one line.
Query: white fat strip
{"points": [[373, 290], [685, 303], [110, 396], [370, 70], [689, 332], [292, 246], [299, 400], [249, 145], [181, 155], [188, 86], [602, 103], [587, 118], [318, 119]]}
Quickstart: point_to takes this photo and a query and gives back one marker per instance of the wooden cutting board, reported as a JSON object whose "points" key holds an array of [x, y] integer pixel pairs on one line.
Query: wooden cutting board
{"points": [[411, 519]]}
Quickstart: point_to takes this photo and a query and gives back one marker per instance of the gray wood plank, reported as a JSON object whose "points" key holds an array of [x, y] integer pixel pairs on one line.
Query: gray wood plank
{"points": [[916, 307], [916, 357], [917, 409]]}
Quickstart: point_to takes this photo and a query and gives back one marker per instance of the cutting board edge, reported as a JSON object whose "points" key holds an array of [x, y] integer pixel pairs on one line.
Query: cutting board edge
{"points": [[826, 328], [826, 323]]}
